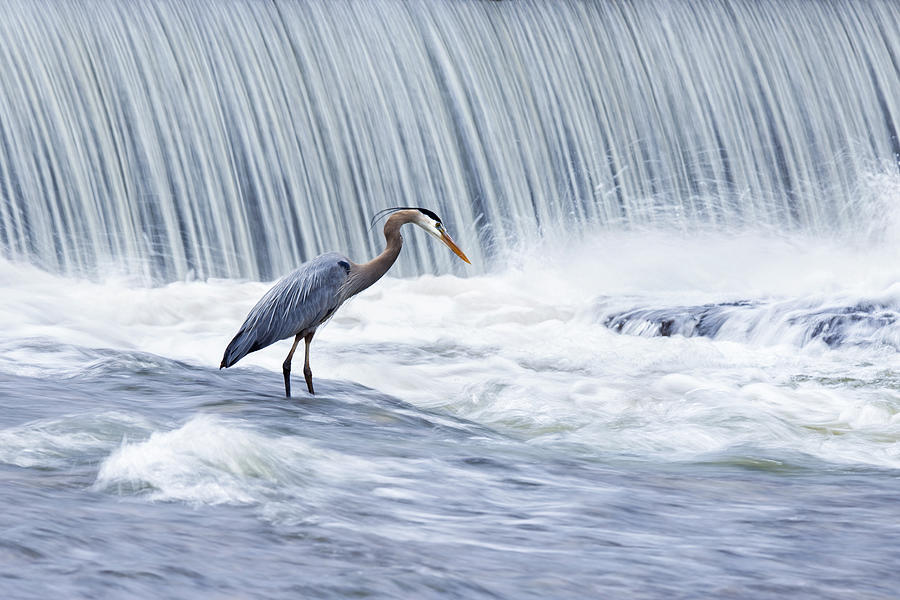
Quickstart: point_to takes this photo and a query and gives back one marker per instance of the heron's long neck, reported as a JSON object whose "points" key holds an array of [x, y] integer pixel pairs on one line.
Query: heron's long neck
{"points": [[370, 272]]}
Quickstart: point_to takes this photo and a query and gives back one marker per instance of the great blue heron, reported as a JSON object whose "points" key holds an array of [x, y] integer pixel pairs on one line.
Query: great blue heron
{"points": [[309, 296]]}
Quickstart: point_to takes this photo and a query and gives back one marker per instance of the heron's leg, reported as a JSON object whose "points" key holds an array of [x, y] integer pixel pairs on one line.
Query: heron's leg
{"points": [[307, 372], [286, 367]]}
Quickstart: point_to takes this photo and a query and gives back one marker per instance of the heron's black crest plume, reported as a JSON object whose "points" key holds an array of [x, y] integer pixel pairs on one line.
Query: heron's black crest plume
{"points": [[428, 213], [388, 211]]}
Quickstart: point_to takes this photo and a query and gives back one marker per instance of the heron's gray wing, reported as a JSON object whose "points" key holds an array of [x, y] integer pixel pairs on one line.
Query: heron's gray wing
{"points": [[297, 303]]}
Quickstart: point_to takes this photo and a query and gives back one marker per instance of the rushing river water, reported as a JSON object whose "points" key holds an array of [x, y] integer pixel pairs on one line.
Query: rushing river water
{"points": [[482, 436], [671, 372]]}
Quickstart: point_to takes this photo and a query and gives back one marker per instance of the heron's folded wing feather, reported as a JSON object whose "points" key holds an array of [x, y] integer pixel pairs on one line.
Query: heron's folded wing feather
{"points": [[298, 302]]}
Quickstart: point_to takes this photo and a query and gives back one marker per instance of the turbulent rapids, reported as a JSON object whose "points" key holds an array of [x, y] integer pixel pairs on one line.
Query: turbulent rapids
{"points": [[672, 371], [863, 323]]}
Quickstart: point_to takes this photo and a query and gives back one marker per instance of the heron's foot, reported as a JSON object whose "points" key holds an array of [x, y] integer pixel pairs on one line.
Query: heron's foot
{"points": [[307, 373], [287, 381]]}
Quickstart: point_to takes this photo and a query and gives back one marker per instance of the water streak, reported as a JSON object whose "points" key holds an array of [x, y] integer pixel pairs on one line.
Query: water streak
{"points": [[240, 138]]}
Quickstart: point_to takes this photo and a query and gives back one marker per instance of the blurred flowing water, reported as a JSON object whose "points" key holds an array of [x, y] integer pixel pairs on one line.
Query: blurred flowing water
{"points": [[237, 139], [671, 372]]}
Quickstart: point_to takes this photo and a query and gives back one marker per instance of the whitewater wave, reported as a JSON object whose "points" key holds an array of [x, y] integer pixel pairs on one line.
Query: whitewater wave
{"points": [[62, 442], [210, 461], [854, 322]]}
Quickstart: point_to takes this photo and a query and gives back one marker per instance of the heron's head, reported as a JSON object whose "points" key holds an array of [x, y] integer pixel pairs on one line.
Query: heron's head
{"points": [[425, 219], [431, 223]]}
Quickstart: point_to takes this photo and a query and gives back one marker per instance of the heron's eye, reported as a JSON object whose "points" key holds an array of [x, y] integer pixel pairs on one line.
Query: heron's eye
{"points": [[438, 226]]}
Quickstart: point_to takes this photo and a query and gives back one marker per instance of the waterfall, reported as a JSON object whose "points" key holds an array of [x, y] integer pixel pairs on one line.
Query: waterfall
{"points": [[237, 138]]}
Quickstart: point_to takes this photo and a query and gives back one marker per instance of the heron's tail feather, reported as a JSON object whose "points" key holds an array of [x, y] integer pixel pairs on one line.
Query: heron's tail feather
{"points": [[243, 344]]}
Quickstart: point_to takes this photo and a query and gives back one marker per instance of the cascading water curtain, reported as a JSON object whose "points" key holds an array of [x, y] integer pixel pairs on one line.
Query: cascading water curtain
{"points": [[238, 138]]}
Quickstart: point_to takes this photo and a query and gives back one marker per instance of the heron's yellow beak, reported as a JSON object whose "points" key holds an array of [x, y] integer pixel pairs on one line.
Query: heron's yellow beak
{"points": [[450, 244]]}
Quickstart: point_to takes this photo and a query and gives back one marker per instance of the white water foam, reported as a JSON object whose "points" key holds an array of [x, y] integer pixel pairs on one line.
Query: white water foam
{"points": [[208, 460], [522, 349], [60, 442]]}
